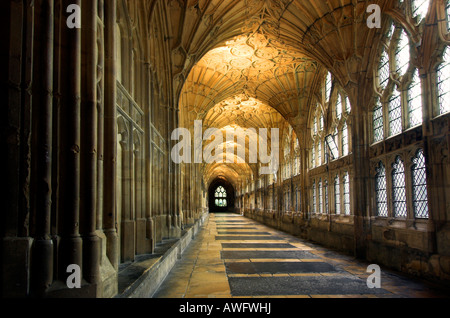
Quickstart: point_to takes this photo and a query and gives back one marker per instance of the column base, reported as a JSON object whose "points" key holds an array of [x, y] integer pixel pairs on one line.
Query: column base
{"points": [[16, 252]]}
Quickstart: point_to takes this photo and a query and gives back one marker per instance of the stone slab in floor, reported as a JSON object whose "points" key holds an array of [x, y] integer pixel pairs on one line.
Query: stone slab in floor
{"points": [[278, 267], [242, 233], [257, 245], [307, 285], [248, 238], [267, 254]]}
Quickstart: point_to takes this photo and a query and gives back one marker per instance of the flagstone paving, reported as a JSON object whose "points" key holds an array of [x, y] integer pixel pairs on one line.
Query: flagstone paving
{"points": [[233, 256]]}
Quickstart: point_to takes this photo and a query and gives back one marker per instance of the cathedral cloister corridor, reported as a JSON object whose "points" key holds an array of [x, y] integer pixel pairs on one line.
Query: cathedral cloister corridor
{"points": [[225, 148], [239, 257]]}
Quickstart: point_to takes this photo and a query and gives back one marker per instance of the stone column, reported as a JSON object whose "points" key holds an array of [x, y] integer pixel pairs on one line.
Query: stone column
{"points": [[69, 207], [127, 236], [42, 259], [110, 135], [360, 150], [149, 184], [89, 140]]}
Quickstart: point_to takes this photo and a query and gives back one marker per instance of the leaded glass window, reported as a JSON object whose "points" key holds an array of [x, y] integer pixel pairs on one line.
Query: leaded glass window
{"points": [[328, 86], [220, 197], [384, 69], [399, 188], [443, 82], [395, 113], [403, 54], [337, 195], [415, 100], [325, 189], [315, 125], [378, 133], [320, 196], [313, 156], [346, 184], [319, 153], [339, 107], [314, 197], [381, 191], [419, 184], [345, 140], [348, 106]]}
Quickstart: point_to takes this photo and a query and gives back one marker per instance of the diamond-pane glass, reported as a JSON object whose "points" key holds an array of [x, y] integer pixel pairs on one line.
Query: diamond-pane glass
{"points": [[339, 107], [337, 196], [328, 85], [403, 54], [415, 101], [320, 197], [378, 121], [319, 153], [314, 197], [346, 194], [345, 140], [419, 181], [395, 114], [315, 126], [399, 188], [383, 69], [380, 190], [443, 82]]}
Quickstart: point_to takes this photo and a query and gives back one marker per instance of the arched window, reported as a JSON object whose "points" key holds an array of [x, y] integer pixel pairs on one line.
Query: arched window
{"points": [[394, 112], [419, 186], [220, 196], [443, 82], [399, 188], [337, 195], [380, 190]]}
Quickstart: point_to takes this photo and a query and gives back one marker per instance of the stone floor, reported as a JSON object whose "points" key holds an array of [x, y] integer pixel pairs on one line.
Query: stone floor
{"points": [[235, 257]]}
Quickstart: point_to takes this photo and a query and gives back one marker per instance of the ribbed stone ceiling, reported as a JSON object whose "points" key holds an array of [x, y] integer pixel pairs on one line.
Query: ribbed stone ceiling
{"points": [[260, 63]]}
